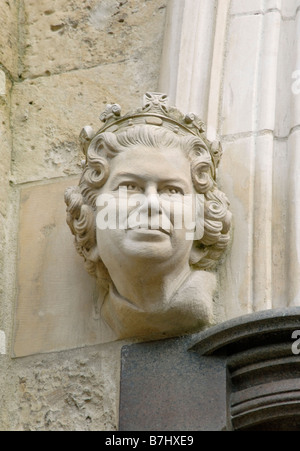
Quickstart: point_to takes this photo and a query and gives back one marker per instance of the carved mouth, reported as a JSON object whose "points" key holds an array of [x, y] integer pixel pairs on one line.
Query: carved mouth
{"points": [[146, 229]]}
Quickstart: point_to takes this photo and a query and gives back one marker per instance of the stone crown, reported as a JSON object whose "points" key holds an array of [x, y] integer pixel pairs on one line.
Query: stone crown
{"points": [[155, 111]]}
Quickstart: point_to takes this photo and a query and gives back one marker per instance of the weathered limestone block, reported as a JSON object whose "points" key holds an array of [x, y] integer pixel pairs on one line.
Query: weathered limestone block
{"points": [[49, 112], [57, 302], [9, 35], [5, 139], [69, 391], [84, 33], [6, 276], [5, 152]]}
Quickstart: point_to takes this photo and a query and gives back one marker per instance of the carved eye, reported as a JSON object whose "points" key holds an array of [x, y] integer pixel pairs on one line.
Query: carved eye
{"points": [[132, 187], [172, 190]]}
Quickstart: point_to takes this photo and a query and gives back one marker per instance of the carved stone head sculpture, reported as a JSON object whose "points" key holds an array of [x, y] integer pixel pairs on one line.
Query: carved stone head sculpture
{"points": [[142, 172]]}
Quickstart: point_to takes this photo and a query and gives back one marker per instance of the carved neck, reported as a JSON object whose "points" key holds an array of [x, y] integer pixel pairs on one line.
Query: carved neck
{"points": [[149, 289], [188, 310]]}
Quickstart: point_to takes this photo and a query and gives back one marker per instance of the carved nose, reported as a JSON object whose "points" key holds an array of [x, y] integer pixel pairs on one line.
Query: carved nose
{"points": [[152, 204]]}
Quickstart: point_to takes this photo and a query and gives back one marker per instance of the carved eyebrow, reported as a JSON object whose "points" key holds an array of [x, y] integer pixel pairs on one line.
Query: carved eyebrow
{"points": [[136, 177], [126, 175]]}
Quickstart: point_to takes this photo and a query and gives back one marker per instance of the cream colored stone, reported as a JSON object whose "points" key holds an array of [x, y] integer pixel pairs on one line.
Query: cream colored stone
{"points": [[57, 301], [217, 69], [241, 78], [187, 54], [2, 83], [149, 264], [86, 33], [258, 91], [2, 342], [263, 223], [5, 142], [288, 101], [275, 4], [237, 179], [295, 108], [5, 145], [261, 94], [281, 277], [289, 7], [267, 83], [261, 271], [77, 390], [293, 226], [150, 268], [5, 151], [9, 36], [49, 112], [246, 6]]}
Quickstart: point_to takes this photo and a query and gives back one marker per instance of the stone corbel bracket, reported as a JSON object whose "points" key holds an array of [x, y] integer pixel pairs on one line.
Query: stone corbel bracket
{"points": [[244, 374], [264, 372]]}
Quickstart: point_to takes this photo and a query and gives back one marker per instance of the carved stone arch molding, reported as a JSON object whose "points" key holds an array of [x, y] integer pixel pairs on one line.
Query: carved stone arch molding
{"points": [[241, 375], [237, 65]]}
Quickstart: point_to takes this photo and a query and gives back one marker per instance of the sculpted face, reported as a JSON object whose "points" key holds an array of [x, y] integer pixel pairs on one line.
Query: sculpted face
{"points": [[141, 169], [155, 174]]}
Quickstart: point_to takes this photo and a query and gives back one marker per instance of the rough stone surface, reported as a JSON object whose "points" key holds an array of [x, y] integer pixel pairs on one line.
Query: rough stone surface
{"points": [[9, 36], [61, 62], [49, 113], [5, 162], [115, 47], [73, 391], [5, 138], [85, 33]]}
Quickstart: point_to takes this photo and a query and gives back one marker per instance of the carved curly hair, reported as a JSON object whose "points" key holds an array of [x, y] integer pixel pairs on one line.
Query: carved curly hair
{"points": [[81, 200]]}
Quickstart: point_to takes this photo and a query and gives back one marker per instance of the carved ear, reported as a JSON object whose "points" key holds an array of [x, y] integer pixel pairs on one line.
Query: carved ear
{"points": [[197, 253], [92, 254]]}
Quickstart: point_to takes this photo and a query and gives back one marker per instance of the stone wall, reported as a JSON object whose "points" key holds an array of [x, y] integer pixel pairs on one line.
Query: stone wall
{"points": [[234, 62], [59, 66]]}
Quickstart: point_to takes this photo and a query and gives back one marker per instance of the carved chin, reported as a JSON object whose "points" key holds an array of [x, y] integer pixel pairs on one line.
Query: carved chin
{"points": [[190, 310]]}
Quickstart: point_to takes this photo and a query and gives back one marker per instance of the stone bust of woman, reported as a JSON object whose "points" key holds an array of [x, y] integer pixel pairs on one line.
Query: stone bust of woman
{"points": [[153, 281]]}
